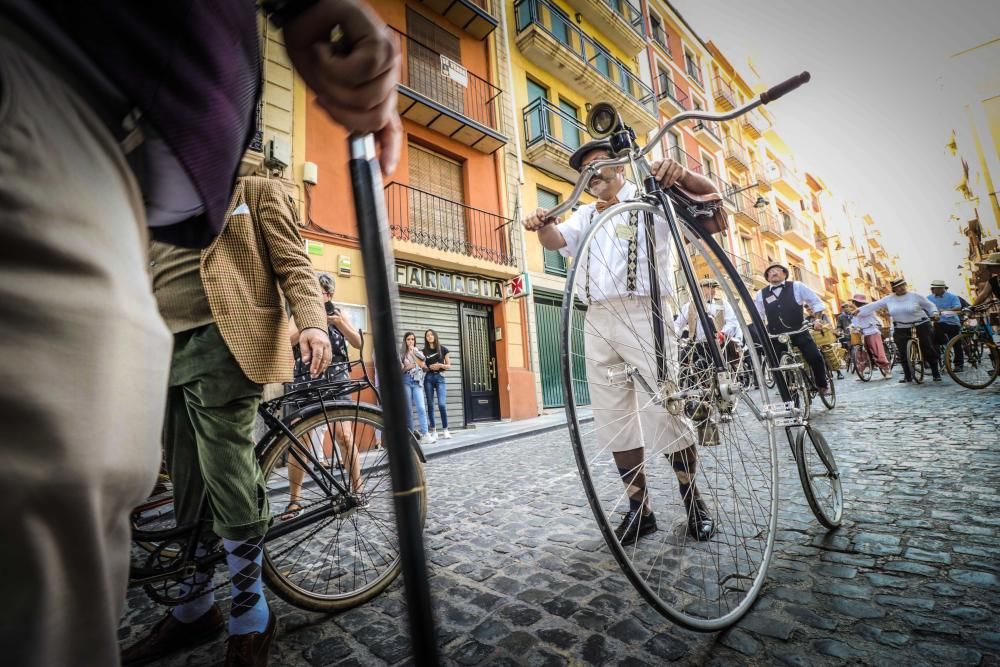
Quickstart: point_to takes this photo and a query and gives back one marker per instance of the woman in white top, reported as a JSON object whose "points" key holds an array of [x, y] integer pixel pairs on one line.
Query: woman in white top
{"points": [[909, 310], [868, 325]]}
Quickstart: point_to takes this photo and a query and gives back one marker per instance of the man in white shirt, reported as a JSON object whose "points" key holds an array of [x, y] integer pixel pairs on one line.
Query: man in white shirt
{"points": [[618, 329], [908, 311], [780, 306], [868, 325]]}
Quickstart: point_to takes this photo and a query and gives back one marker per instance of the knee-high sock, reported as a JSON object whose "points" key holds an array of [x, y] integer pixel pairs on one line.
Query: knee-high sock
{"points": [[685, 465], [249, 612], [192, 610], [632, 472]]}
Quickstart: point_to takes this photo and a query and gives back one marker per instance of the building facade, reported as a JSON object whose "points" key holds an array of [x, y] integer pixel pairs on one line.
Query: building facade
{"points": [[450, 205]]}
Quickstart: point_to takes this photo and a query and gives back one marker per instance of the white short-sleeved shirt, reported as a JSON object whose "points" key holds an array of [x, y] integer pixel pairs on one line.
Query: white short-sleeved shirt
{"points": [[687, 317], [609, 252], [869, 324]]}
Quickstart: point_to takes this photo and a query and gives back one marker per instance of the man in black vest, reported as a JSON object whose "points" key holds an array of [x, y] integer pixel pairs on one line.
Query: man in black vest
{"points": [[780, 304]]}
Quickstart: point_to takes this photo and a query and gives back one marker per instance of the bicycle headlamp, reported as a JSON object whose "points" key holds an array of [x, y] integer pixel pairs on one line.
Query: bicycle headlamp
{"points": [[971, 322], [783, 339], [603, 120]]}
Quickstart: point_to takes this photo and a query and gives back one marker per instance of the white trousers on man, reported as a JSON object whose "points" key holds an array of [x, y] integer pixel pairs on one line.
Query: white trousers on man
{"points": [[620, 331]]}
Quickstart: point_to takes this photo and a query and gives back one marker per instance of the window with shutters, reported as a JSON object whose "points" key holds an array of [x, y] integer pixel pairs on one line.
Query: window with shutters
{"points": [[554, 263], [436, 197], [426, 44]]}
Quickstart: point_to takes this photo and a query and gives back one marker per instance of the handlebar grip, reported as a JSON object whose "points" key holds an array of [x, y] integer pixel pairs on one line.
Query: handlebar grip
{"points": [[784, 88]]}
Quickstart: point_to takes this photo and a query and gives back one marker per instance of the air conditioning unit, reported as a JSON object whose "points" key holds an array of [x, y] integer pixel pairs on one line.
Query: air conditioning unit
{"points": [[277, 153]]}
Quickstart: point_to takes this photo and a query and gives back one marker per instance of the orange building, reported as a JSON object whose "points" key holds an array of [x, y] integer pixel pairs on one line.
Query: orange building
{"points": [[449, 203]]}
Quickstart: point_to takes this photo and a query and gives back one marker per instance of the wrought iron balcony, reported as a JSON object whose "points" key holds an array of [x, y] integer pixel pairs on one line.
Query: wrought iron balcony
{"points": [[691, 67], [661, 39], [796, 229], [449, 226], [812, 281], [552, 40], [725, 97], [745, 207], [742, 266], [769, 225], [752, 125], [550, 137], [476, 17], [672, 100], [620, 20], [758, 264], [760, 175], [708, 133], [458, 103], [736, 156]]}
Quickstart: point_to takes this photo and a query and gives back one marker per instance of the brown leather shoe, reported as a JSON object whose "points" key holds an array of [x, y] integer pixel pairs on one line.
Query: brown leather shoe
{"points": [[253, 649], [170, 635]]}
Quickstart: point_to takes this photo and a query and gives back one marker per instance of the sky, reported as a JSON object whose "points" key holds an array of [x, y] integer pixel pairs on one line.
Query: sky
{"points": [[874, 121]]}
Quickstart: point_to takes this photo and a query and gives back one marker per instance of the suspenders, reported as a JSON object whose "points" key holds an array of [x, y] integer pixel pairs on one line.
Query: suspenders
{"points": [[631, 260]]}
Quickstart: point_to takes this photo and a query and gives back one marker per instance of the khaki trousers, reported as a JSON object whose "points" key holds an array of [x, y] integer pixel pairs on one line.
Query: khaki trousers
{"points": [[84, 358], [617, 331]]}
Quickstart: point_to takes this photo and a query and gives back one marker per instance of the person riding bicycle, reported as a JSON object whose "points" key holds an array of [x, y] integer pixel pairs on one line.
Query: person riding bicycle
{"points": [[780, 305], [843, 331], [224, 307], [908, 310], [868, 325], [729, 336], [990, 288], [612, 262], [949, 325]]}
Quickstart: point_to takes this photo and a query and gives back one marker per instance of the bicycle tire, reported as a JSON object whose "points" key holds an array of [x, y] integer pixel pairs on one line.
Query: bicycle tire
{"points": [[819, 476], [980, 370], [829, 400], [378, 516], [718, 581], [864, 370], [916, 360], [768, 375], [798, 386]]}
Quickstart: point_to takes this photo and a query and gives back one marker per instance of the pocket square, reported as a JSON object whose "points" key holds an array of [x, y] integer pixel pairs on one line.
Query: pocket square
{"points": [[242, 209]]}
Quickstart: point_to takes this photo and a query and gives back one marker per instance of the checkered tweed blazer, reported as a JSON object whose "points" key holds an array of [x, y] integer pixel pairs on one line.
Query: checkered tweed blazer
{"points": [[258, 252]]}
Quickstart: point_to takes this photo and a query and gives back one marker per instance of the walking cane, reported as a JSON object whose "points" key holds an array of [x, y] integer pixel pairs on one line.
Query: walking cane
{"points": [[376, 254]]}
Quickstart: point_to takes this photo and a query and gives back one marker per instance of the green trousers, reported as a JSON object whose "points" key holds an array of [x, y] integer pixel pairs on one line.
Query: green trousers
{"points": [[208, 437]]}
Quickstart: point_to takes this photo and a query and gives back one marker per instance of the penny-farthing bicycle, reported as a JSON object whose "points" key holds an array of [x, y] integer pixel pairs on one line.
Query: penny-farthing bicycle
{"points": [[708, 440]]}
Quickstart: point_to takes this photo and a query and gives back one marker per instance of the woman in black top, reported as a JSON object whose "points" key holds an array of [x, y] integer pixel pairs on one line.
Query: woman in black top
{"points": [[437, 358]]}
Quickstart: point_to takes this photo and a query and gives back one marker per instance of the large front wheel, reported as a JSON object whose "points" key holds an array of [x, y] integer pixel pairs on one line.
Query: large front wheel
{"points": [[679, 463], [333, 544]]}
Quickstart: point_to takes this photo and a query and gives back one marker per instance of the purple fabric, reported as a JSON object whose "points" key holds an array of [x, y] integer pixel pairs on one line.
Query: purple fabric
{"points": [[193, 70]]}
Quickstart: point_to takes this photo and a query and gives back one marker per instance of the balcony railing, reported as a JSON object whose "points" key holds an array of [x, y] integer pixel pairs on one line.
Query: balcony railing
{"points": [[758, 263], [792, 224], [544, 121], [442, 224], [710, 126], [692, 69], [742, 266], [736, 155], [760, 175], [812, 281], [769, 223], [476, 17], [630, 13], [725, 98], [685, 159], [660, 37], [668, 89], [550, 19], [478, 99]]}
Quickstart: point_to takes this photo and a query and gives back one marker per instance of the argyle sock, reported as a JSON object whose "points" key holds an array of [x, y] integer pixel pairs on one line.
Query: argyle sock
{"points": [[192, 610], [249, 612], [630, 468], [685, 465]]}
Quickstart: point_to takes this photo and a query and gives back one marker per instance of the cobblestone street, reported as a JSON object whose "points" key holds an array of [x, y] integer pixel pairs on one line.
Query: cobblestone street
{"points": [[521, 576]]}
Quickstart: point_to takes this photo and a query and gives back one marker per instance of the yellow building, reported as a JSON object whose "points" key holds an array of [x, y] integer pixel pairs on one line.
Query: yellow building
{"points": [[564, 56]]}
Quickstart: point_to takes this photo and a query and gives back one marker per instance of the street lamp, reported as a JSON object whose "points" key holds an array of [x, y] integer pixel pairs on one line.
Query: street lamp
{"points": [[761, 201]]}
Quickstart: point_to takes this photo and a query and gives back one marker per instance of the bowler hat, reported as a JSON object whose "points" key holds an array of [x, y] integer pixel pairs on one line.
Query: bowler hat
{"points": [[777, 266], [597, 144]]}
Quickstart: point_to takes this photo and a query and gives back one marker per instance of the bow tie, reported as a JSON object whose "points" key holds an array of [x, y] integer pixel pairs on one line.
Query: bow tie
{"points": [[601, 204]]}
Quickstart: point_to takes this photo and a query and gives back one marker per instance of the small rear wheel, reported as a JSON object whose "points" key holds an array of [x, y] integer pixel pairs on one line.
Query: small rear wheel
{"points": [[916, 359], [819, 475], [830, 400]]}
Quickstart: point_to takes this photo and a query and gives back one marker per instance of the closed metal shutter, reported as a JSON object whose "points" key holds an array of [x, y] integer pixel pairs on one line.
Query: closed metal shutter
{"points": [[548, 320], [418, 314]]}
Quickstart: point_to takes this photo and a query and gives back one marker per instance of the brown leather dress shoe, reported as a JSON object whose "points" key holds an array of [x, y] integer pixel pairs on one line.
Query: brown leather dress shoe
{"points": [[170, 635], [253, 649]]}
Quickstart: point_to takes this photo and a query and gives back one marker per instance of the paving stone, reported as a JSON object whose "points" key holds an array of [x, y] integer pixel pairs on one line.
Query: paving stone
{"points": [[506, 585], [607, 604], [990, 640], [561, 607], [792, 656], [970, 614], [383, 639], [590, 619], [839, 571], [472, 653], [886, 581], [810, 617], [928, 556], [837, 649], [975, 578], [905, 602], [520, 614], [950, 653], [518, 642], [596, 650], [667, 647], [856, 608], [490, 631], [742, 641], [844, 590], [768, 626], [629, 631], [847, 559], [791, 595], [929, 624], [894, 638], [327, 651], [945, 590], [911, 568]]}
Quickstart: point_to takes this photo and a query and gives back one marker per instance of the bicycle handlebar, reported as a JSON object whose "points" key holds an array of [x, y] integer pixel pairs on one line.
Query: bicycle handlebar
{"points": [[804, 329], [636, 156]]}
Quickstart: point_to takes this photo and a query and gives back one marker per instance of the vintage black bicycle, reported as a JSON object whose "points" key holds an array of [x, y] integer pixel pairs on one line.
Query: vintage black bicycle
{"points": [[701, 584], [982, 356], [333, 543]]}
